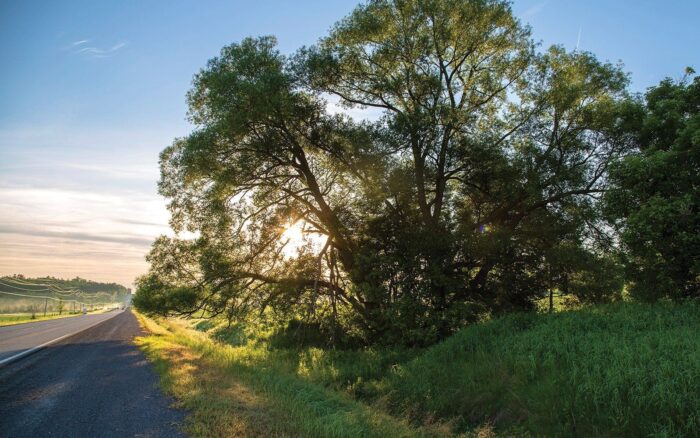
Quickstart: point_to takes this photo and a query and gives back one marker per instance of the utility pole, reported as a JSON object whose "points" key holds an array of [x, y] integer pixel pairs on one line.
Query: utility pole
{"points": [[46, 303]]}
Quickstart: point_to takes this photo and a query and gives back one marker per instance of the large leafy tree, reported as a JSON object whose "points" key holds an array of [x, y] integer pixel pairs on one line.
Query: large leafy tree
{"points": [[655, 201], [486, 158]]}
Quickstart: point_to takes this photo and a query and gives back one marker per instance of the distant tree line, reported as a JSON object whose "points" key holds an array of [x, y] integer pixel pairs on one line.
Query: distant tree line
{"points": [[495, 176]]}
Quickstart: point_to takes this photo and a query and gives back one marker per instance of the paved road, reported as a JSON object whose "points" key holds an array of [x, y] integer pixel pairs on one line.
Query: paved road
{"points": [[94, 384], [15, 339]]}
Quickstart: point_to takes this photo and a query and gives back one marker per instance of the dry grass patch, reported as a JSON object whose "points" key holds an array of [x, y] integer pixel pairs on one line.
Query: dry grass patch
{"points": [[219, 405]]}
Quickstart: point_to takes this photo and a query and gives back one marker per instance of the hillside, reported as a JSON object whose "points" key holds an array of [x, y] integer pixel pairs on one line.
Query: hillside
{"points": [[625, 369]]}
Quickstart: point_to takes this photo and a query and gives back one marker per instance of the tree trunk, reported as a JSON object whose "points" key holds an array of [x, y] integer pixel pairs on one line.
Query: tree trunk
{"points": [[551, 300]]}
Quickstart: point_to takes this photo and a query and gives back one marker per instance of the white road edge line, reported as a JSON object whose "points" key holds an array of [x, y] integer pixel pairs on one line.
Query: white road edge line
{"points": [[39, 347]]}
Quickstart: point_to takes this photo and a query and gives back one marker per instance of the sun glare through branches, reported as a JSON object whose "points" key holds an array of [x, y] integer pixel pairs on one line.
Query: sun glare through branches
{"points": [[298, 235]]}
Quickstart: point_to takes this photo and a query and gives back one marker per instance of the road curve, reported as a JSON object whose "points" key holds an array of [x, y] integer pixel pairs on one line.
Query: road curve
{"points": [[19, 338], [96, 383]]}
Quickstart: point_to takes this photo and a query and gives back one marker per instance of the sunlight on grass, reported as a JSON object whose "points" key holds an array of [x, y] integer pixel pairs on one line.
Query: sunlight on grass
{"points": [[239, 391], [22, 318], [624, 369]]}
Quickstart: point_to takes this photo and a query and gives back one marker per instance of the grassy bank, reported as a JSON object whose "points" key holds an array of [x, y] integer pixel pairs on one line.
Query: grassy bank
{"points": [[626, 369], [244, 391], [21, 318]]}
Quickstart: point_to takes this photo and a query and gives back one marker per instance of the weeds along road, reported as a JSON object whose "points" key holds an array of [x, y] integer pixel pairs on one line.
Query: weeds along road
{"points": [[93, 384]]}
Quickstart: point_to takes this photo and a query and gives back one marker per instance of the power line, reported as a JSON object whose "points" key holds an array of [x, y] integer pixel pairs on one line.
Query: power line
{"points": [[60, 294], [23, 282], [55, 299], [24, 289], [52, 288]]}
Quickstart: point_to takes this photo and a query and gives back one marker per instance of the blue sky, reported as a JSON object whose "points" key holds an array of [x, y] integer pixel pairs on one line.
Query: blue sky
{"points": [[90, 92]]}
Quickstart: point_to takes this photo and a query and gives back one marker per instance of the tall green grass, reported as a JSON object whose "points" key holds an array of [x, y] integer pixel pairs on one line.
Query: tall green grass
{"points": [[297, 405], [617, 370], [348, 371], [625, 369]]}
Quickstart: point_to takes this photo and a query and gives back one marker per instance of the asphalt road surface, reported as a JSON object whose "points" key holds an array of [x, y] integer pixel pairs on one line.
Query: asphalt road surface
{"points": [[93, 384], [19, 338]]}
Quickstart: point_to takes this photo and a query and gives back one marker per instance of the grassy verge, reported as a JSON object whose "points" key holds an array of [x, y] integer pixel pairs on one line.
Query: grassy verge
{"points": [[618, 370], [621, 370], [239, 391], [22, 318]]}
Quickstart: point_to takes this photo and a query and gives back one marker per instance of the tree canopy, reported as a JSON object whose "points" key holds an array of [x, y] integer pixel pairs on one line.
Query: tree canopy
{"points": [[655, 197], [476, 191]]}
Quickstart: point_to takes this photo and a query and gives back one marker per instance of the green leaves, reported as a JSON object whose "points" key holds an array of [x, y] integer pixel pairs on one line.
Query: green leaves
{"points": [[656, 195], [245, 84], [486, 159]]}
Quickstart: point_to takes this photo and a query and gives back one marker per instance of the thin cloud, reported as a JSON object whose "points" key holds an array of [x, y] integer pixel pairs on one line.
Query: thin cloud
{"points": [[578, 39], [124, 171], [80, 236], [81, 47], [79, 43], [137, 222]]}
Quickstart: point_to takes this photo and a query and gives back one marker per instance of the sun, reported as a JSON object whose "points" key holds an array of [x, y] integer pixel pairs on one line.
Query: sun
{"points": [[296, 235]]}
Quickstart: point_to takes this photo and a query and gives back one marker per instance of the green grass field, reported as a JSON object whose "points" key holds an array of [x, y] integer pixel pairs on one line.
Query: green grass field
{"points": [[21, 318], [618, 370], [243, 391]]}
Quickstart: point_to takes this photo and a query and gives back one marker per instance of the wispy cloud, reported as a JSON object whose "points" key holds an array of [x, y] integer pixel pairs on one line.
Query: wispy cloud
{"points": [[534, 9], [83, 47], [142, 242], [144, 172], [578, 39], [78, 43]]}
